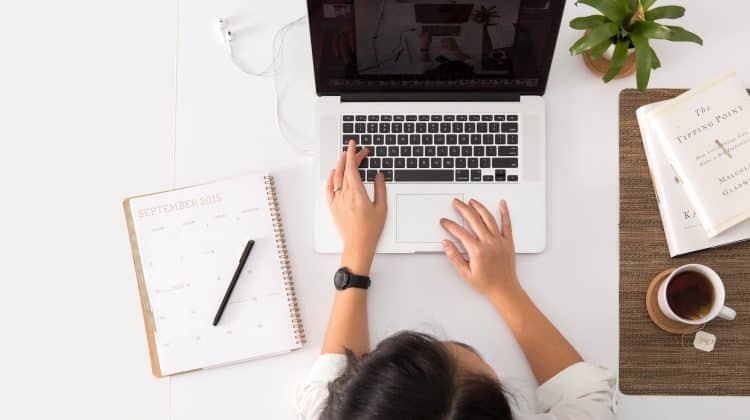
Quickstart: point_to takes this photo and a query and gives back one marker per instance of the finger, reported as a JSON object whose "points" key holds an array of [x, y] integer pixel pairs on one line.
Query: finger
{"points": [[475, 221], [487, 218], [338, 176], [381, 198], [329, 187], [362, 155], [458, 231], [455, 257], [505, 216], [351, 172]]}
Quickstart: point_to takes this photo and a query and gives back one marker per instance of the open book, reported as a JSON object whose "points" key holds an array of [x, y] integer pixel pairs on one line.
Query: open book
{"points": [[186, 246]]}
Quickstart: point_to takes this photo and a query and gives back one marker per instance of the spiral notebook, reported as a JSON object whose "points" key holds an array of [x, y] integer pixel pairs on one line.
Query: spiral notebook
{"points": [[186, 245]]}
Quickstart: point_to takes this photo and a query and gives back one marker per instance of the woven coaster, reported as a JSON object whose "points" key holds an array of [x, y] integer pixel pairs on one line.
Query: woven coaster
{"points": [[655, 313]]}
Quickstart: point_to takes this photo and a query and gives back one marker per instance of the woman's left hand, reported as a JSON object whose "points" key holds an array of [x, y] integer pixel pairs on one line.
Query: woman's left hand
{"points": [[358, 219]]}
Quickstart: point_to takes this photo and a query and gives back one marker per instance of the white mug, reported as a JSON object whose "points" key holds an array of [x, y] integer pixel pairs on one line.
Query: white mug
{"points": [[717, 306]]}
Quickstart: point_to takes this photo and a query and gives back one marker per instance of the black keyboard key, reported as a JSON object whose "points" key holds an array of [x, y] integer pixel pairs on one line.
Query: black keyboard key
{"points": [[499, 174], [411, 118], [371, 175], [385, 128], [439, 138], [372, 127], [365, 163], [360, 128], [381, 151], [402, 139], [427, 139], [409, 128], [388, 162], [397, 127], [508, 151], [442, 151], [445, 127], [417, 151], [421, 128], [411, 162], [414, 139], [484, 162], [481, 127], [512, 117], [476, 175], [436, 118], [398, 118], [512, 138], [366, 139], [349, 137], [439, 175], [385, 118], [505, 162], [362, 175], [490, 151], [370, 150], [476, 139], [348, 128], [499, 138], [470, 127], [458, 127], [488, 178], [433, 127], [509, 127], [461, 118], [424, 118], [400, 163], [462, 175], [374, 162], [392, 150], [474, 118], [494, 127], [488, 139], [372, 118], [460, 162], [378, 139], [513, 178], [451, 139], [424, 162], [348, 117], [449, 118], [436, 163], [454, 151], [463, 139], [478, 150], [473, 162], [390, 139], [405, 151], [499, 117], [388, 175], [486, 117], [448, 163], [361, 117], [466, 150], [429, 151]]}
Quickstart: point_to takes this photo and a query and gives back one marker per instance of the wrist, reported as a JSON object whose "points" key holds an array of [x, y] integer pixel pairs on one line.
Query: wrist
{"points": [[357, 263], [507, 298]]}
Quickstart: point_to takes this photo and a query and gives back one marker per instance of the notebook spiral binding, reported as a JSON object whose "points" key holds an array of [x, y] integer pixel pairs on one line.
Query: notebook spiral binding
{"points": [[286, 270]]}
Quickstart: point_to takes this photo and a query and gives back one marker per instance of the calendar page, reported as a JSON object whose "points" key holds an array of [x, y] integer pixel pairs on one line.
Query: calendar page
{"points": [[190, 241]]}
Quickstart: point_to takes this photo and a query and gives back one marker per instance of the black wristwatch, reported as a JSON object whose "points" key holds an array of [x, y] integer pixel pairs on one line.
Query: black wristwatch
{"points": [[345, 279]]}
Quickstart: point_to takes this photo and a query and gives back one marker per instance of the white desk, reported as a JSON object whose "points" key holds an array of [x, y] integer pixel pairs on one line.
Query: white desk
{"points": [[226, 125]]}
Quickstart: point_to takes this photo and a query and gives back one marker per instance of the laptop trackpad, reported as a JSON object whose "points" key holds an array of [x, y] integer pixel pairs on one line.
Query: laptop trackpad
{"points": [[418, 217]]}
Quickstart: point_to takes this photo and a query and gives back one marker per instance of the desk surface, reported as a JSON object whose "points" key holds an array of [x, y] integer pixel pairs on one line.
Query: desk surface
{"points": [[225, 125]]}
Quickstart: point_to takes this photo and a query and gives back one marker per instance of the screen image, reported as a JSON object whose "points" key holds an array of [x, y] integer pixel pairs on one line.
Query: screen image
{"points": [[433, 45]]}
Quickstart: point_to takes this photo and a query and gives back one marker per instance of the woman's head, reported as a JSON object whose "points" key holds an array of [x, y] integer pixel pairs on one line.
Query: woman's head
{"points": [[414, 376]]}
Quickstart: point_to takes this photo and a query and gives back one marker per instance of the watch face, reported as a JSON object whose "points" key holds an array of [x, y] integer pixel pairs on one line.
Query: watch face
{"points": [[341, 279]]}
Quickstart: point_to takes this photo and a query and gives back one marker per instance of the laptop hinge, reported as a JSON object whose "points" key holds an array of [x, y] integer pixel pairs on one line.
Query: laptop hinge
{"points": [[431, 97]]}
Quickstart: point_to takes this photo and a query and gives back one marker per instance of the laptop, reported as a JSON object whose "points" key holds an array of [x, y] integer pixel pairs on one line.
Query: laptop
{"points": [[443, 116]]}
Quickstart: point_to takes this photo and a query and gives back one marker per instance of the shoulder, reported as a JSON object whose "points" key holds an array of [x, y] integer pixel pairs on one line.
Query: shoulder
{"points": [[312, 394]]}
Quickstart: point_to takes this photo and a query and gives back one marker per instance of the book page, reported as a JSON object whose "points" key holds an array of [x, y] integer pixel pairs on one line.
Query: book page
{"points": [[190, 242]]}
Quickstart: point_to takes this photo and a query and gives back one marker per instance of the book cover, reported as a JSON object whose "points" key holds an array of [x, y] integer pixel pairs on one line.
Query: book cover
{"points": [[705, 135]]}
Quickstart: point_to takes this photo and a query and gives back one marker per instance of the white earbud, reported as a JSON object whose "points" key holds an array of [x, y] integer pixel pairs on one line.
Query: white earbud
{"points": [[225, 33]]}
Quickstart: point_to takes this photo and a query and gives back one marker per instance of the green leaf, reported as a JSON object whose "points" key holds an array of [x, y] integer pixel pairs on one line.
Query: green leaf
{"points": [[588, 22], [655, 63], [614, 10], [647, 3], [597, 35], [642, 60], [598, 50], [665, 12], [618, 59], [682, 35], [652, 30]]}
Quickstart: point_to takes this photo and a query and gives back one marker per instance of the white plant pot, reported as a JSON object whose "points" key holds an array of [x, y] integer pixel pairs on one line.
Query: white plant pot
{"points": [[609, 52]]}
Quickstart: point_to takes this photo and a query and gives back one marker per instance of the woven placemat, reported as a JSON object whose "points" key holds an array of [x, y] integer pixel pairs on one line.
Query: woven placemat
{"points": [[651, 360]]}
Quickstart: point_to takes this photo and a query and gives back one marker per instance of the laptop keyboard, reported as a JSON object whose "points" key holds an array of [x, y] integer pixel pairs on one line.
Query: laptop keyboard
{"points": [[436, 148]]}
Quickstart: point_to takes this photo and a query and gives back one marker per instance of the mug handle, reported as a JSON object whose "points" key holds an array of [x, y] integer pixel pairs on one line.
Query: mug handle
{"points": [[727, 313]]}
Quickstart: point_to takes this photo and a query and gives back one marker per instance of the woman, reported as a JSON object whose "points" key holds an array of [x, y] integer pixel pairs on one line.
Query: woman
{"points": [[414, 376]]}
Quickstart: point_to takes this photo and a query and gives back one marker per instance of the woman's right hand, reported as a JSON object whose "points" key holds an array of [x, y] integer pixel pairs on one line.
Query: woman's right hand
{"points": [[491, 267]]}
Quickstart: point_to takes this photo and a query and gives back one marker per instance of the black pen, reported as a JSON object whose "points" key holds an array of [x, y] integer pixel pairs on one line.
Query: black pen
{"points": [[243, 260]]}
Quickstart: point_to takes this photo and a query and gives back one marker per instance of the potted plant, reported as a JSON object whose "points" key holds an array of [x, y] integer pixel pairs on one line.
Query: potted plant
{"points": [[625, 27], [486, 16]]}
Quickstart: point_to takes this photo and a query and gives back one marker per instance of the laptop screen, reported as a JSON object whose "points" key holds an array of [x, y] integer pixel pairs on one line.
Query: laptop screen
{"points": [[433, 45]]}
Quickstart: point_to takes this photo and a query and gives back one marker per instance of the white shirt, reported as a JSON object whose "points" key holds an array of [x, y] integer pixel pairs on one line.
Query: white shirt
{"points": [[581, 392]]}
